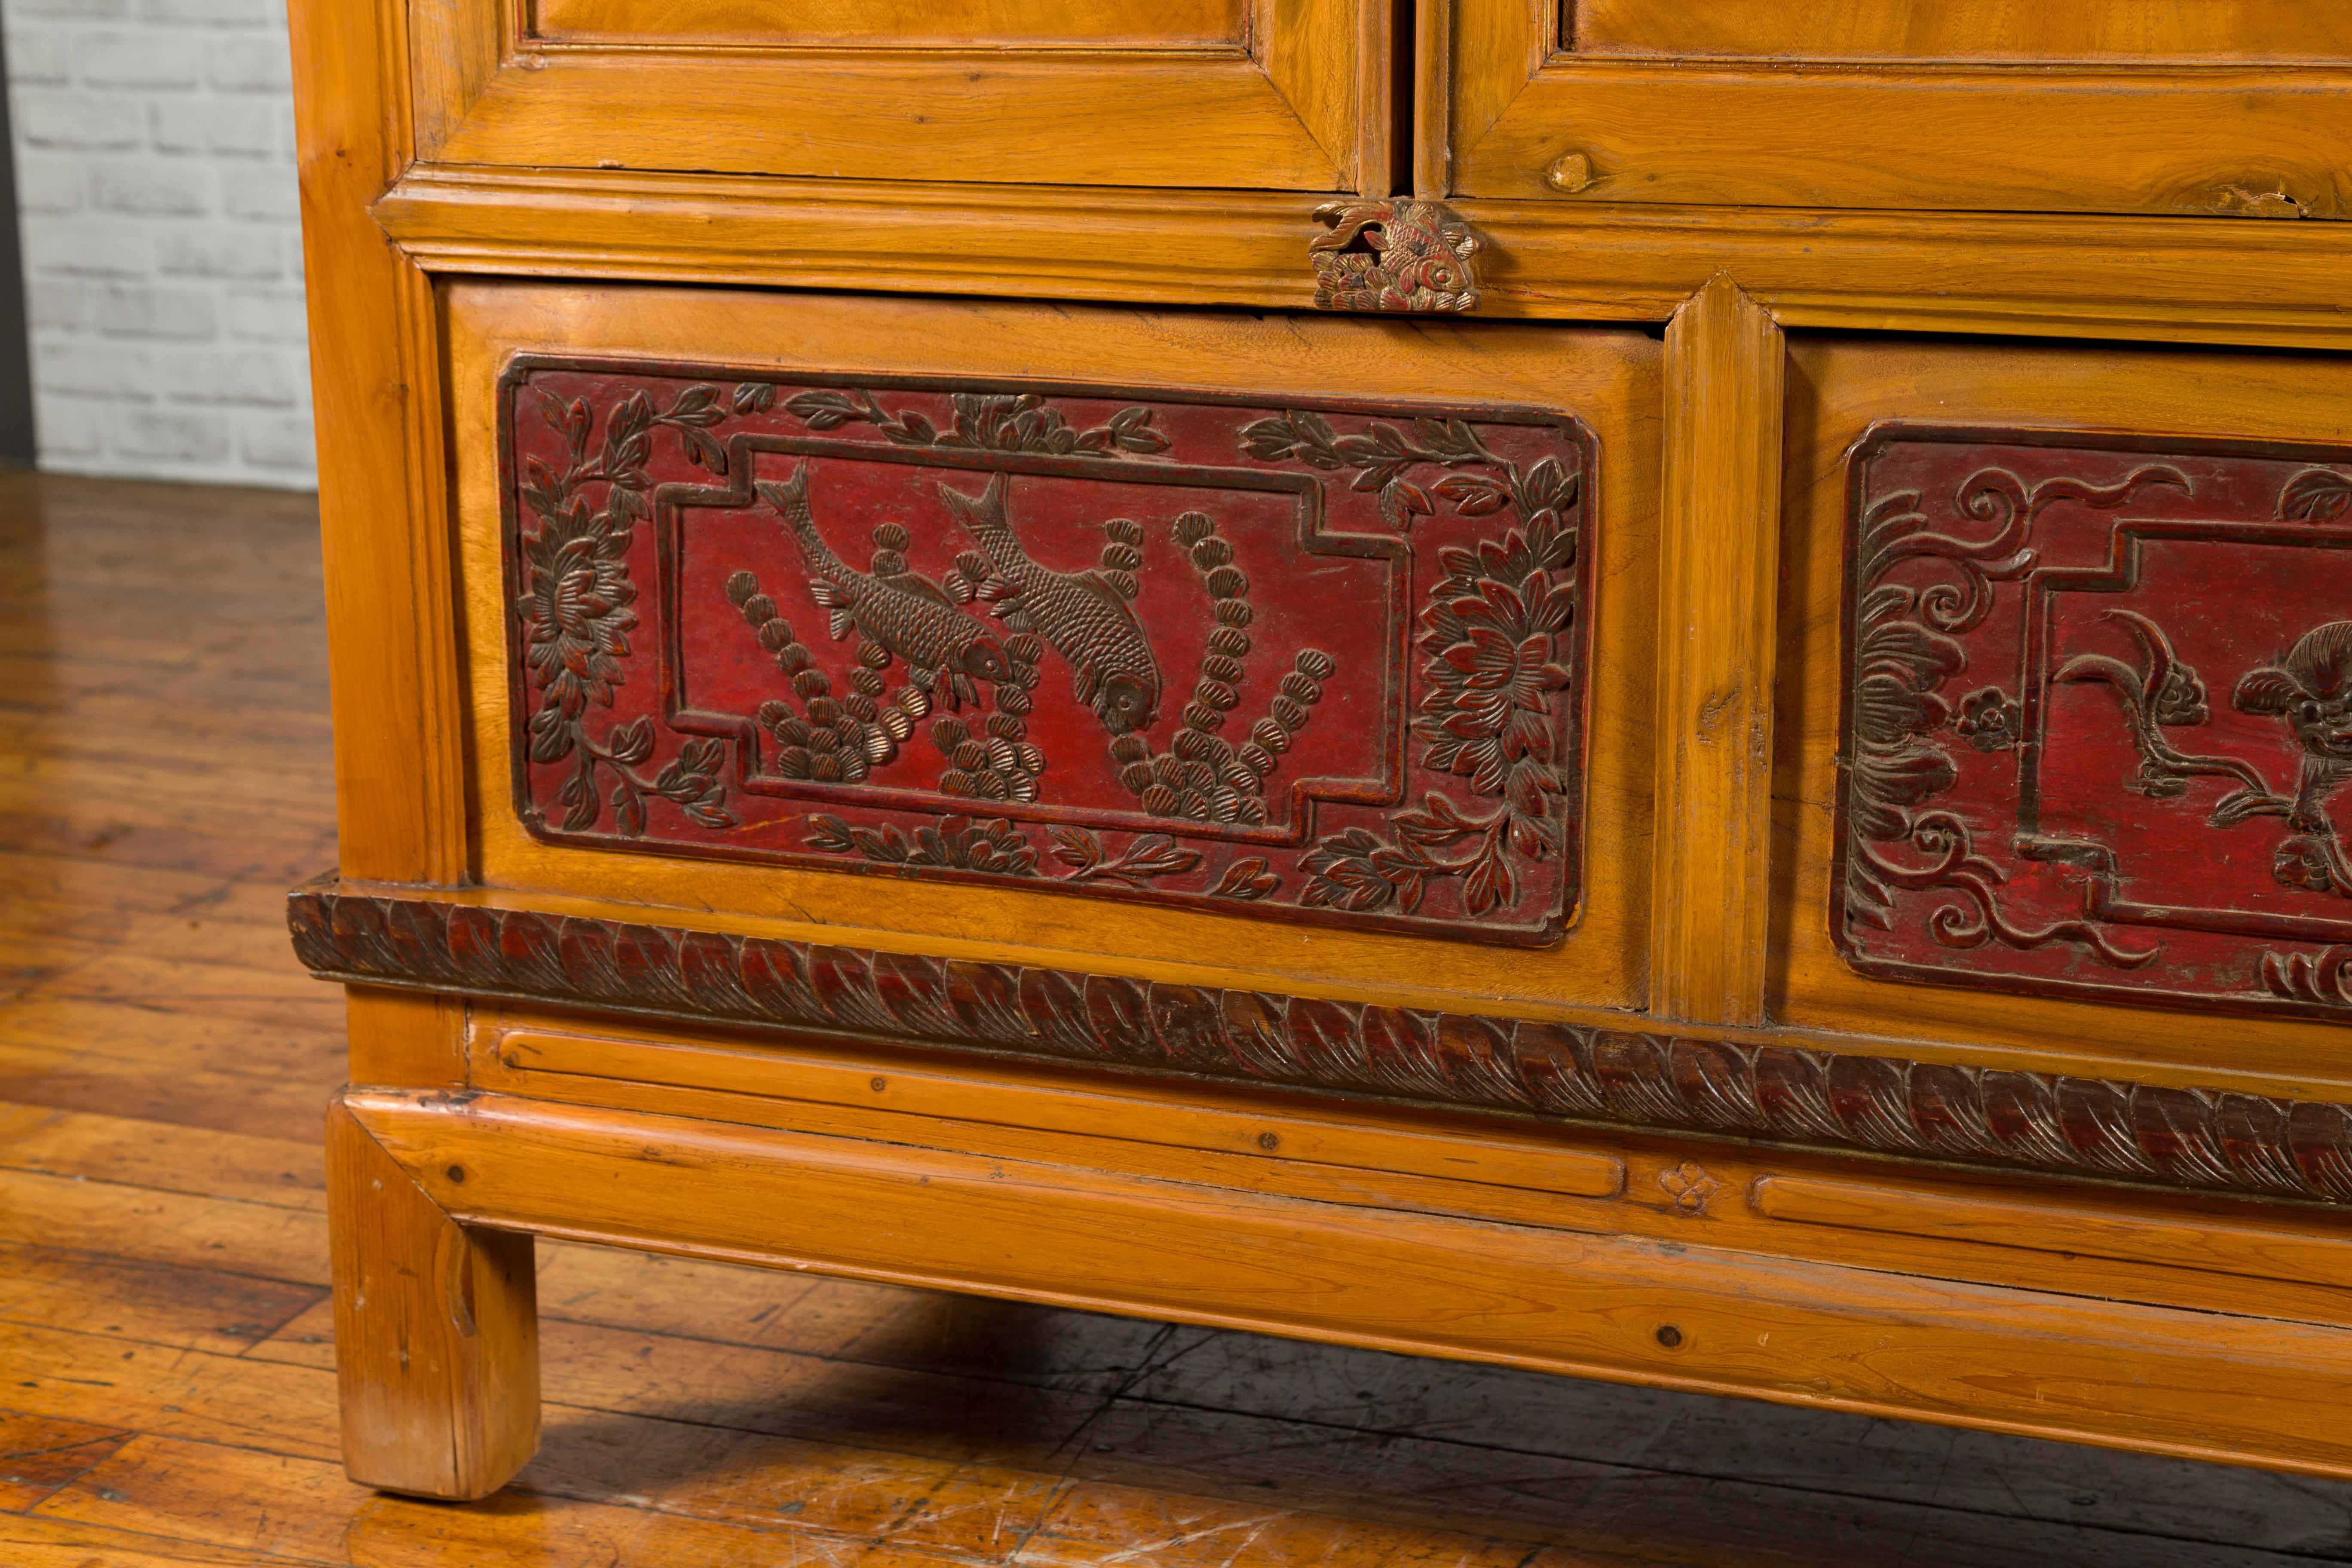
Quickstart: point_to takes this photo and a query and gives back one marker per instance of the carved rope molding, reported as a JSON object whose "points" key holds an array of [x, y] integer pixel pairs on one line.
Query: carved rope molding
{"points": [[2200, 1139]]}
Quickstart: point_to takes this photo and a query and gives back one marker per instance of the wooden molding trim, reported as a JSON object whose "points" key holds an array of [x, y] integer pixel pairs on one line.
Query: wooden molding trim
{"points": [[399, 704], [2174, 279], [1868, 1339], [2207, 1140]]}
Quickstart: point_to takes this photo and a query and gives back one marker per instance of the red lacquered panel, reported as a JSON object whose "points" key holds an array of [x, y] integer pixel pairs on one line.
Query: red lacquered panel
{"points": [[2099, 717], [1320, 661]]}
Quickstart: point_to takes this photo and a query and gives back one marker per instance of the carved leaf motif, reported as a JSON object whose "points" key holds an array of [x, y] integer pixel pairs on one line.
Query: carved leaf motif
{"points": [[1130, 430], [702, 451], [578, 797], [1249, 879], [821, 410], [628, 811], [2192, 1139], [1471, 496], [575, 617], [1491, 883], [2316, 495], [696, 405], [632, 742], [1075, 847]]}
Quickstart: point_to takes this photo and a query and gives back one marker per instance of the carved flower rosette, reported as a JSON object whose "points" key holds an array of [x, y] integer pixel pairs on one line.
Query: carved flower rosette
{"points": [[2098, 715], [1323, 661]]}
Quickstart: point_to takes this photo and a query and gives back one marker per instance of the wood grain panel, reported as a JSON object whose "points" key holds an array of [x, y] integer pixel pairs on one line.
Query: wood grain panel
{"points": [[2057, 1227], [2234, 140], [2222, 142], [1718, 578], [1618, 1180], [1300, 102], [379, 440], [1172, 1116], [1027, 24], [2202, 32], [1122, 120]]}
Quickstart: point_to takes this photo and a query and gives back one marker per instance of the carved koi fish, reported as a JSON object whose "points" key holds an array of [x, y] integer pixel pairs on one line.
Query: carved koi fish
{"points": [[945, 650], [1081, 613]]}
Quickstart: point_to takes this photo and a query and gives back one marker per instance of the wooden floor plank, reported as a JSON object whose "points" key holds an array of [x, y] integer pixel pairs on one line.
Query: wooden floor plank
{"points": [[154, 1304], [59, 1544], [263, 1241], [262, 1104], [39, 1454], [200, 1394], [73, 881], [779, 1393], [265, 999], [287, 1173], [1497, 1409], [844, 1319], [1634, 1509], [164, 1039], [853, 1494], [306, 1512]]}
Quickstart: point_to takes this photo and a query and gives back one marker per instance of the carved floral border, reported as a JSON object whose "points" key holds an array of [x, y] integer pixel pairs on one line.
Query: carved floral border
{"points": [[1900, 654], [1529, 584]]}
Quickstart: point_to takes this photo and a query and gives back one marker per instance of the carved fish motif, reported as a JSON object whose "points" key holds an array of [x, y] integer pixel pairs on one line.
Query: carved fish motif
{"points": [[1417, 256], [1081, 613], [944, 650]]}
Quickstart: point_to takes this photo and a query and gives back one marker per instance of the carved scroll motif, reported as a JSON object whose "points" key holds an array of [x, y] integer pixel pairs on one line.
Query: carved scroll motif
{"points": [[2098, 704]]}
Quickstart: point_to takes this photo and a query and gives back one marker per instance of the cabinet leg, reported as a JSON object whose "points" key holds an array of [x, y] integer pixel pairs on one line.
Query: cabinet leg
{"points": [[437, 1331]]}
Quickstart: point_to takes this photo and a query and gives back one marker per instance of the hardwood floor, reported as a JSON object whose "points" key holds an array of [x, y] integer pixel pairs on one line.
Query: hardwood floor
{"points": [[165, 1394]]}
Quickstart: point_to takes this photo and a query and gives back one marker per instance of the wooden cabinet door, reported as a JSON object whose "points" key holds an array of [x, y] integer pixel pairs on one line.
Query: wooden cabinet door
{"points": [[2240, 107], [1235, 93], [2062, 677], [1200, 642]]}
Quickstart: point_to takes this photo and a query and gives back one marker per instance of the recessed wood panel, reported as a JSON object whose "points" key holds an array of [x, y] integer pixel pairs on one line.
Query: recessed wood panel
{"points": [[2096, 716], [1024, 23], [1293, 657], [2226, 563], [2123, 30], [2255, 136], [1407, 813], [1208, 93]]}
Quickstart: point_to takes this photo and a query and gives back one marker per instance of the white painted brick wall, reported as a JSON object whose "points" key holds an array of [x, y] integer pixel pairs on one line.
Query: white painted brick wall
{"points": [[163, 245]]}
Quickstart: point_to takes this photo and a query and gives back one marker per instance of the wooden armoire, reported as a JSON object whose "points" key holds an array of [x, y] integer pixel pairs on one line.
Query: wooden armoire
{"points": [[1653, 689]]}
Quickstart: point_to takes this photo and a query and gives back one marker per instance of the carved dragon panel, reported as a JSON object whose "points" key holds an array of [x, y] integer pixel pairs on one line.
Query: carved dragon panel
{"points": [[1305, 659], [2098, 716]]}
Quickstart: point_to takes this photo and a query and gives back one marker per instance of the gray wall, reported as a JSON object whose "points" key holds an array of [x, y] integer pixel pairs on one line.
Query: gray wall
{"points": [[162, 250]]}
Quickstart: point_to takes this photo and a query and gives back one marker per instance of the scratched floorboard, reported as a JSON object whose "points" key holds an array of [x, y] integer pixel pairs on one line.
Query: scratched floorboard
{"points": [[165, 1391]]}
